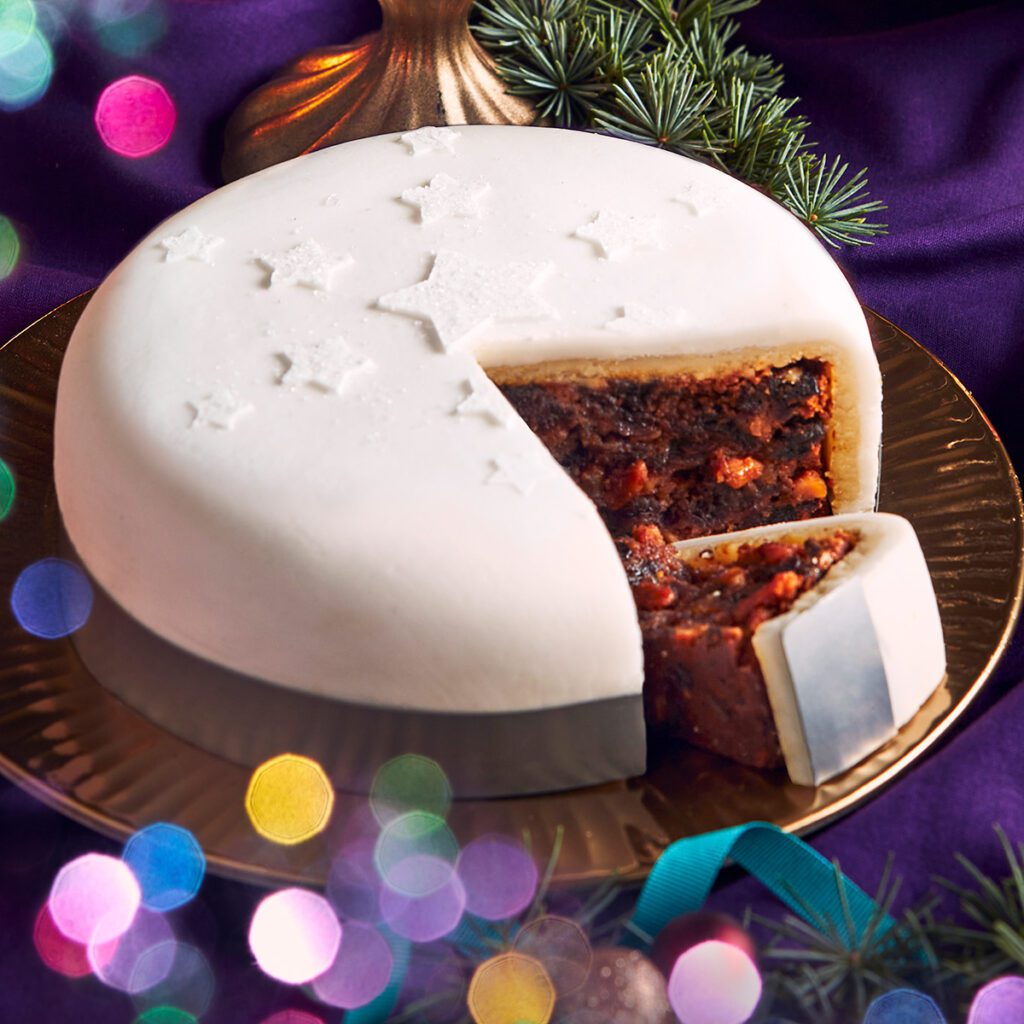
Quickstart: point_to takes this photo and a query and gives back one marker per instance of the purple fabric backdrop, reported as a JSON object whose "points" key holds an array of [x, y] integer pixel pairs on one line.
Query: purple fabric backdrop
{"points": [[929, 95]]}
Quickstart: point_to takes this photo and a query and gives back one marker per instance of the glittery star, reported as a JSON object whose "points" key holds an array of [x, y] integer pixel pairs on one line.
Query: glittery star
{"points": [[480, 400], [520, 471], [326, 364], [221, 408], [639, 318], [431, 140], [698, 199], [307, 263], [462, 296], [190, 244], [618, 234], [446, 196]]}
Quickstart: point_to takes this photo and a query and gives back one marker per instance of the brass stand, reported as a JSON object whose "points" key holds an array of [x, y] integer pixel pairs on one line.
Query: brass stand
{"points": [[422, 67]]}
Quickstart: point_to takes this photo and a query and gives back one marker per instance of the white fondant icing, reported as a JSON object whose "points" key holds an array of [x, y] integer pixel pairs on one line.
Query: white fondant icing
{"points": [[431, 140], [221, 408], [904, 632], [446, 196], [521, 471], [462, 296], [327, 364], [307, 263], [636, 318], [698, 200], [190, 244], [618, 234], [391, 571], [482, 398]]}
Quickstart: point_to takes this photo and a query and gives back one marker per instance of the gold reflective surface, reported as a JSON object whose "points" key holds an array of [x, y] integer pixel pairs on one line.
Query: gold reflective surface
{"points": [[79, 749], [422, 68]]}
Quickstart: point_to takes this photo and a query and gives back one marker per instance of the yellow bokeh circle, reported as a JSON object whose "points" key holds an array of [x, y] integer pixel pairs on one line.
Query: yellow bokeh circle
{"points": [[511, 989], [289, 799]]}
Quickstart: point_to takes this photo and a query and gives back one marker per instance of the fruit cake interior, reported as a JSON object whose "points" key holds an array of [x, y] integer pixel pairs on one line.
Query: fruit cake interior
{"points": [[692, 455], [703, 679], [673, 456]]}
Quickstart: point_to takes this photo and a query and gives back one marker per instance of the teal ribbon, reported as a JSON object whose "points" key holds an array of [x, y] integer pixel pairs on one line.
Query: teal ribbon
{"points": [[681, 880]]}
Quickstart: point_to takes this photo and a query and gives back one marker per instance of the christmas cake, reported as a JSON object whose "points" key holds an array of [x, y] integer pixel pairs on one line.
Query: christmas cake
{"points": [[368, 425]]}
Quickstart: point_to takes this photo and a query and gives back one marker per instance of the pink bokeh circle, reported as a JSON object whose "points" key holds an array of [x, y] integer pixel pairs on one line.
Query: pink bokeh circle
{"points": [[135, 116], [94, 898], [360, 971], [294, 936]]}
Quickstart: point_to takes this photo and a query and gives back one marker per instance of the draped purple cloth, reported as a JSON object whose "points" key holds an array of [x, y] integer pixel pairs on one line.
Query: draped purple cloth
{"points": [[929, 96]]}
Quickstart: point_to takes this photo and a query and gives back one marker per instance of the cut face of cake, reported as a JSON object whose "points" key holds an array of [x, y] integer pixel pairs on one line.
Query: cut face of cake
{"points": [[788, 644], [318, 437], [682, 447]]}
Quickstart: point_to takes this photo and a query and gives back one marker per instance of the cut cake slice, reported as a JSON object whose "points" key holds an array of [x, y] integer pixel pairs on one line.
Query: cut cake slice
{"points": [[808, 644]]}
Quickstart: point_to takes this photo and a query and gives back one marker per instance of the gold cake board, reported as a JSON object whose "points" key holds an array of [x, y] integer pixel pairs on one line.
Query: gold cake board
{"points": [[82, 751]]}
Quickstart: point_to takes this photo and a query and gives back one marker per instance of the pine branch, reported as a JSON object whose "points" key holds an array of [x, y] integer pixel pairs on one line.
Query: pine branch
{"points": [[621, 41], [827, 970], [667, 107], [559, 70], [835, 206], [995, 943], [667, 73]]}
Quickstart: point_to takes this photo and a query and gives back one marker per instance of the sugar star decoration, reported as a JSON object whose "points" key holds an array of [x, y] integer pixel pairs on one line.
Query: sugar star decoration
{"points": [[637, 318], [190, 244], [446, 196], [697, 199], [618, 235], [462, 296], [431, 140], [480, 400], [221, 408], [307, 263], [326, 364], [522, 471]]}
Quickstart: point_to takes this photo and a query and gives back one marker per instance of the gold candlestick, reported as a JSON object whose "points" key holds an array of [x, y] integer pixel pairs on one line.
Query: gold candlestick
{"points": [[422, 67]]}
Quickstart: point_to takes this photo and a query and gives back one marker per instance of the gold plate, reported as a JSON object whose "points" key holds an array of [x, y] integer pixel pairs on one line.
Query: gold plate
{"points": [[79, 749]]}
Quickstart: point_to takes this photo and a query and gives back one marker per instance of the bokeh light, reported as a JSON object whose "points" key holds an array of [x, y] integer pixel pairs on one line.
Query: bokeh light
{"points": [[998, 1002], [499, 876], [26, 58], [353, 885], [127, 28], [17, 18], [168, 863], [289, 799], [292, 1017], [165, 1015], [10, 250], [410, 839], [115, 962], [56, 950], [904, 1006], [294, 936], [511, 989], [52, 18], [410, 783], [135, 116], [563, 949], [187, 984], [430, 916], [94, 898], [52, 598], [361, 968], [714, 983]]}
